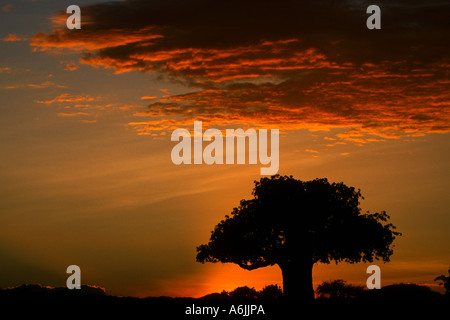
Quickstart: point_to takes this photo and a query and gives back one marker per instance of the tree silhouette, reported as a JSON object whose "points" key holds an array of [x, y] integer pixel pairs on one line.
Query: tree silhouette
{"points": [[295, 224], [445, 281], [243, 293], [270, 292], [339, 289]]}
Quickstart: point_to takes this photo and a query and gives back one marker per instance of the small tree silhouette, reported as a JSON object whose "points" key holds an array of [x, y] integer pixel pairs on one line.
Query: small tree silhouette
{"points": [[243, 293], [338, 289], [295, 224], [270, 292], [445, 281]]}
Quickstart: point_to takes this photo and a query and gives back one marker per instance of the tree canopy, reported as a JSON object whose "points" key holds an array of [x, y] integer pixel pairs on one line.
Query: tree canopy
{"points": [[444, 280]]}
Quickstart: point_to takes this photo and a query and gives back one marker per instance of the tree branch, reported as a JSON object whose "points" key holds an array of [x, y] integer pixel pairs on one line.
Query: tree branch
{"points": [[254, 265]]}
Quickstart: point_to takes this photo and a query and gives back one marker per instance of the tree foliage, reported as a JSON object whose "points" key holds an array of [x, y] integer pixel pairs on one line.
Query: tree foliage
{"points": [[339, 289], [444, 280], [289, 219]]}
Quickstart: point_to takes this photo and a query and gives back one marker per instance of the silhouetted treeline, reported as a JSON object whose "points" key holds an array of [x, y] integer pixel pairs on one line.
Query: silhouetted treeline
{"points": [[38, 292], [270, 292], [337, 290]]}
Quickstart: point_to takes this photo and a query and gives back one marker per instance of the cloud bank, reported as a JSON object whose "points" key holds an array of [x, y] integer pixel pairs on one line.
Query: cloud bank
{"points": [[286, 64]]}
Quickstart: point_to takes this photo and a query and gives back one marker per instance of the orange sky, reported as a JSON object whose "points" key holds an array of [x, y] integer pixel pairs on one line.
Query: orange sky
{"points": [[86, 118]]}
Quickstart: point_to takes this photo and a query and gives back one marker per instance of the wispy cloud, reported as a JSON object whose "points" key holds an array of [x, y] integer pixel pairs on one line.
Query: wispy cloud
{"points": [[43, 85], [67, 97], [72, 114], [7, 7], [70, 66], [14, 38], [5, 69]]}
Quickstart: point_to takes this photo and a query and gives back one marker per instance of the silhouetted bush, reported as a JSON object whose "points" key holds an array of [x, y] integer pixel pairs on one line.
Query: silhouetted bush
{"points": [[243, 293], [37, 292], [338, 289], [444, 281], [403, 291], [271, 292], [216, 296]]}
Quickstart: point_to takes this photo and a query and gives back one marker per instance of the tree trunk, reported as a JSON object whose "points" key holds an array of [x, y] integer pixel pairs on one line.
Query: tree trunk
{"points": [[297, 280]]}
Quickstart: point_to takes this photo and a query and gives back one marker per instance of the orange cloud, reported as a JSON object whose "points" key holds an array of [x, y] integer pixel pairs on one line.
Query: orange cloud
{"points": [[309, 68], [72, 114], [333, 104], [89, 121], [13, 38], [7, 7], [43, 85], [63, 39], [70, 66], [66, 97]]}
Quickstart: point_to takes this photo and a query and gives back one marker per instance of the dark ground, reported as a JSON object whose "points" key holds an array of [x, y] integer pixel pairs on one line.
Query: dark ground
{"points": [[89, 302]]}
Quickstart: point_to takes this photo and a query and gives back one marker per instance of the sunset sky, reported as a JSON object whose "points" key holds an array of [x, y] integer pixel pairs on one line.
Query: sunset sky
{"points": [[86, 117]]}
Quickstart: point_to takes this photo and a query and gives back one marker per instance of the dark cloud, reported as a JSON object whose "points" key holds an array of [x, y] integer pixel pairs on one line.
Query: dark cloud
{"points": [[297, 64]]}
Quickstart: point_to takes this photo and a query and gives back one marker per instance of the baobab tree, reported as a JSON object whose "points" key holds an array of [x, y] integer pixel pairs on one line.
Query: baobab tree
{"points": [[295, 224]]}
